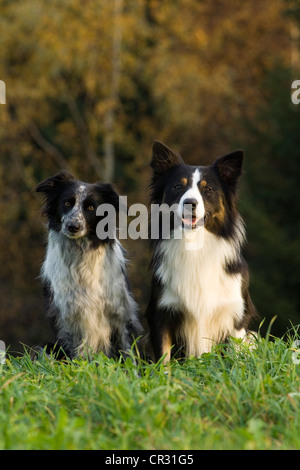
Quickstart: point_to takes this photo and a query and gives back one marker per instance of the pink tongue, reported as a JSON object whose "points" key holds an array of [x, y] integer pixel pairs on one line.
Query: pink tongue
{"points": [[190, 221]]}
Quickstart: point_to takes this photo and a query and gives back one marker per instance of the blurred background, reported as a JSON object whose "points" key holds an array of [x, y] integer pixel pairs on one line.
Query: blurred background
{"points": [[89, 86]]}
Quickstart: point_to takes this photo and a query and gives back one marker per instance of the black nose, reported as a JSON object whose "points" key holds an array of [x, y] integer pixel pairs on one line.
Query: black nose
{"points": [[191, 202], [73, 227]]}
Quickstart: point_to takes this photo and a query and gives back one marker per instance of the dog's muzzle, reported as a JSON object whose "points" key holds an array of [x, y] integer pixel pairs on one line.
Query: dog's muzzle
{"points": [[74, 227], [190, 217]]}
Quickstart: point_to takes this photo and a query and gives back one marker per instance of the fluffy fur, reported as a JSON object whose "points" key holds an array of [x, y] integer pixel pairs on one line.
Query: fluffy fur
{"points": [[199, 292], [89, 302]]}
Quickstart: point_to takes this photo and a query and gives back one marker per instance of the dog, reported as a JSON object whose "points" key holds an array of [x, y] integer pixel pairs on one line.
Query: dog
{"points": [[89, 302], [199, 290]]}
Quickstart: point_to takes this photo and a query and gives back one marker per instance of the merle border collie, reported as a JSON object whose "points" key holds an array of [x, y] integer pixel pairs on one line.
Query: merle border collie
{"points": [[89, 302], [199, 292]]}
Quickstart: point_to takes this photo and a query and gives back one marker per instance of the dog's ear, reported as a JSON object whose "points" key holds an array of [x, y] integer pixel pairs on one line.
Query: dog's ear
{"points": [[52, 182], [229, 167], [108, 194], [164, 158]]}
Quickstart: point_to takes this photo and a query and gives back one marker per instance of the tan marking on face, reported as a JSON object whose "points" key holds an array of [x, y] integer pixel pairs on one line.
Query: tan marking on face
{"points": [[220, 215], [184, 181]]}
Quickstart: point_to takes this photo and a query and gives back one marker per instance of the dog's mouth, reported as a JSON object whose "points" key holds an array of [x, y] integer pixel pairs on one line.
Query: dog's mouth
{"points": [[74, 236], [191, 221]]}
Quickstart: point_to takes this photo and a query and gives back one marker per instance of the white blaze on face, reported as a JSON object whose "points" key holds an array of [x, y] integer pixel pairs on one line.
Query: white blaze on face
{"points": [[194, 193], [76, 215]]}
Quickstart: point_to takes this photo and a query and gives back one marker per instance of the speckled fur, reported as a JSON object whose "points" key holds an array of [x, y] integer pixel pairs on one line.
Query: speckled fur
{"points": [[89, 302]]}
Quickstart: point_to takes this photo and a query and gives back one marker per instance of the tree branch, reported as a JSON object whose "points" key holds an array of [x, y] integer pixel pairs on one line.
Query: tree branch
{"points": [[47, 146], [84, 135]]}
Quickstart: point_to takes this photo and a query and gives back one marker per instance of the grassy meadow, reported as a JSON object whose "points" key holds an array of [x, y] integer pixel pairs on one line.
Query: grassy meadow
{"points": [[236, 397]]}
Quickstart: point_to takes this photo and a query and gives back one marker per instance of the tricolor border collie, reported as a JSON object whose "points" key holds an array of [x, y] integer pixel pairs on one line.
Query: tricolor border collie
{"points": [[89, 302], [199, 292]]}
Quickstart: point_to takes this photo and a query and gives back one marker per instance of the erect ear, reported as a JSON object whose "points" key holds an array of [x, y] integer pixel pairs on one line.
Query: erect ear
{"points": [[108, 194], [229, 167], [50, 183], [163, 158]]}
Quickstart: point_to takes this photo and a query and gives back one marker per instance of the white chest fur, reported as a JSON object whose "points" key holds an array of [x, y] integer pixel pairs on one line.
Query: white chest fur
{"points": [[196, 282]]}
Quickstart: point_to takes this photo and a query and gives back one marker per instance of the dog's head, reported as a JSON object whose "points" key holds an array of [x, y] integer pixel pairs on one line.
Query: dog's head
{"points": [[71, 205], [202, 195]]}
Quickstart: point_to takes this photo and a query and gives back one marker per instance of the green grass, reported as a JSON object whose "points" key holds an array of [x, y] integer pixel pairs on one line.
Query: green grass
{"points": [[233, 398]]}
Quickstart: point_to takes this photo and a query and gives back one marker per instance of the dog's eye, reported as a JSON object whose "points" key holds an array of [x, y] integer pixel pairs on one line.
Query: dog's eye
{"points": [[207, 189], [178, 186], [90, 207], [67, 204]]}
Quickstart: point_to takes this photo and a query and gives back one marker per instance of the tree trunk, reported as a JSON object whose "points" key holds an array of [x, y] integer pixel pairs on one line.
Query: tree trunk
{"points": [[109, 121]]}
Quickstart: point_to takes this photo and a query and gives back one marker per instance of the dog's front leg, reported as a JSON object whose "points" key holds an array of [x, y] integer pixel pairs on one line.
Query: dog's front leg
{"points": [[166, 345], [162, 344]]}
